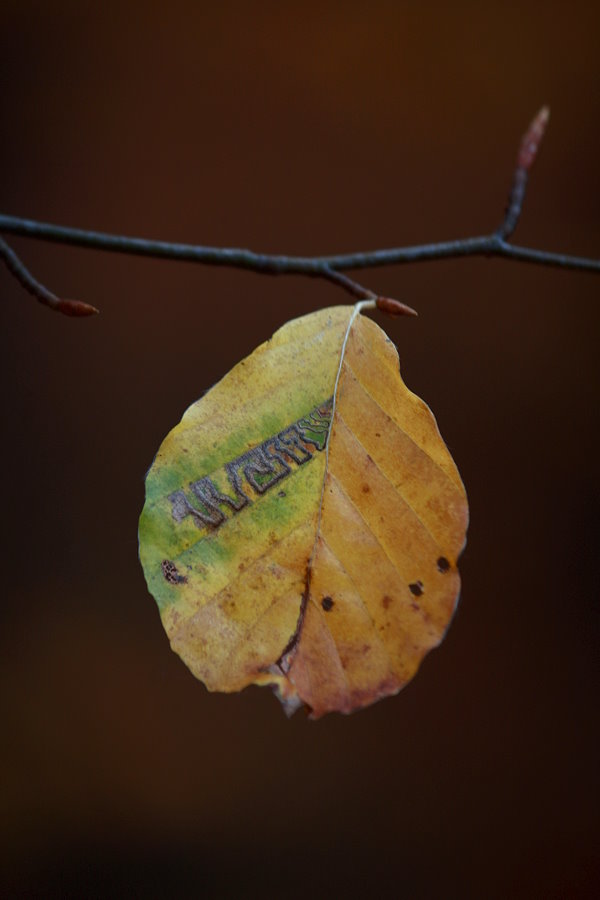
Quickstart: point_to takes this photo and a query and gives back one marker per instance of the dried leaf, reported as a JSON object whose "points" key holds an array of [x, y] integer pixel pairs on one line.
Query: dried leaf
{"points": [[303, 521]]}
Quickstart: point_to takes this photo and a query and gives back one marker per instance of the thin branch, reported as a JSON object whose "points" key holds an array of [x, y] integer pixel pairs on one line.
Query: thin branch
{"points": [[486, 245], [525, 159], [353, 287], [386, 304], [328, 267], [315, 266], [26, 279]]}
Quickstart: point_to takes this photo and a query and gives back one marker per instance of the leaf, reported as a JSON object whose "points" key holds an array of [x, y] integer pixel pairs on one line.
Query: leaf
{"points": [[303, 521]]}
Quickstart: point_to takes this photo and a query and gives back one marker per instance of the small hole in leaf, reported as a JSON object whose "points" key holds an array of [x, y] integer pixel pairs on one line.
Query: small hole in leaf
{"points": [[443, 564], [327, 603], [416, 588]]}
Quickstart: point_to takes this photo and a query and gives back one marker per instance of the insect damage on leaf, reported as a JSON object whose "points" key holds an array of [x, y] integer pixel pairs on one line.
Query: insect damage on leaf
{"points": [[256, 470], [303, 521]]}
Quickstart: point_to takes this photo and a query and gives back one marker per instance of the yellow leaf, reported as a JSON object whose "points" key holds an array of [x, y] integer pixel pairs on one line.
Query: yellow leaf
{"points": [[303, 521]]}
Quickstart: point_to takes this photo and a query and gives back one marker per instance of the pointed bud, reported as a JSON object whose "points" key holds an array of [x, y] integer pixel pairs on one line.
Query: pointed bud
{"points": [[394, 307], [532, 139], [76, 308]]}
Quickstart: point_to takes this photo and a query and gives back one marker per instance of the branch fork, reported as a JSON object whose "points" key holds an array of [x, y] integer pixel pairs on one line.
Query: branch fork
{"points": [[327, 267]]}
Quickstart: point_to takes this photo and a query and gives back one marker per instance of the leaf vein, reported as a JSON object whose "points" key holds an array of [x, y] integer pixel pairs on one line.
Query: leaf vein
{"points": [[363, 602], [415, 443], [368, 527], [214, 598], [391, 483]]}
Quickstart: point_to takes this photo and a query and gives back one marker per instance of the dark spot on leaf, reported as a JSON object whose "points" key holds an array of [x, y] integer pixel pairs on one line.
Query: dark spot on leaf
{"points": [[169, 570], [443, 564], [377, 434], [365, 488], [327, 603], [416, 588], [386, 601], [281, 494]]}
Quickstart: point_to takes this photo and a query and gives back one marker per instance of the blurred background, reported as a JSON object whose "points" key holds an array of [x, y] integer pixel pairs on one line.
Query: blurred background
{"points": [[313, 128]]}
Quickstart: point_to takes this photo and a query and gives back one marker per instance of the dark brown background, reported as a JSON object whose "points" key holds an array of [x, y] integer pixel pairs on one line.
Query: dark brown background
{"points": [[302, 128]]}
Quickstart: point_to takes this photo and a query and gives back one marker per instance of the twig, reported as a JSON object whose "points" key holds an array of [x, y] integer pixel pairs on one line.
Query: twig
{"points": [[328, 267], [525, 159], [16, 268], [392, 307]]}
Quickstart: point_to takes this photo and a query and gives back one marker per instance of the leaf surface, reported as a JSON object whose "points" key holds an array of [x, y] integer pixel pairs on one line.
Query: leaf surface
{"points": [[303, 521]]}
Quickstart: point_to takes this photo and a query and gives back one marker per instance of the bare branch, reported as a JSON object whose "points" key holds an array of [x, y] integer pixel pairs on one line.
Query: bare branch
{"points": [[328, 267], [24, 277], [353, 287]]}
